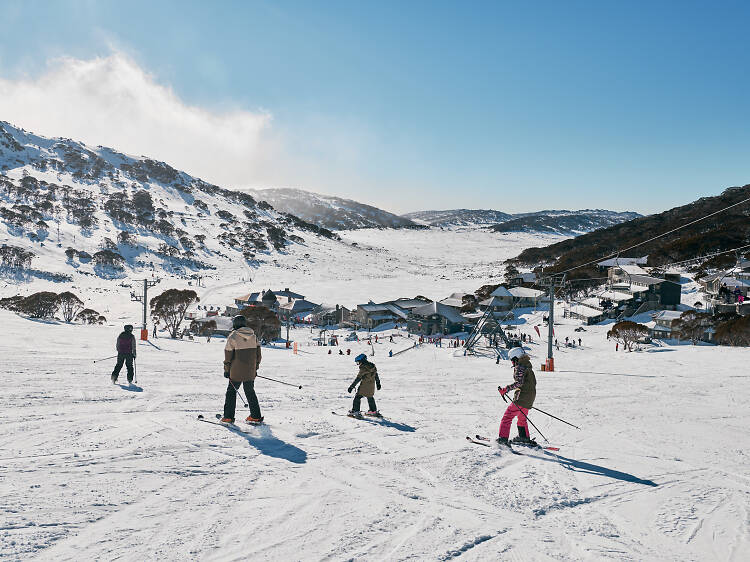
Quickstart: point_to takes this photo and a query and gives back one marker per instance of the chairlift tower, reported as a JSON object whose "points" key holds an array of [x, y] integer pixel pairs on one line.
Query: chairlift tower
{"points": [[552, 281], [143, 297]]}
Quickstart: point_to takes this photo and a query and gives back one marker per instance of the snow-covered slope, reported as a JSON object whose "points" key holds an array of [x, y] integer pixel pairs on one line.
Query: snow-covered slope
{"points": [[459, 217], [330, 212], [550, 221], [95, 471], [95, 211], [564, 222]]}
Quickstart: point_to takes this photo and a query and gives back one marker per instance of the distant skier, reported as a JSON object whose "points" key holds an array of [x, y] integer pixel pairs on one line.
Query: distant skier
{"points": [[368, 380], [523, 399], [241, 361], [125, 353]]}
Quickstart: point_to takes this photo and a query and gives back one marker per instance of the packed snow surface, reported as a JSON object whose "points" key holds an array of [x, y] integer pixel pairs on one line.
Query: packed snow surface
{"points": [[96, 471]]}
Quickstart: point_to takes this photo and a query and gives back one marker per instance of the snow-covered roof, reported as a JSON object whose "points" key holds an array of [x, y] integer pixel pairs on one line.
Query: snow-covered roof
{"points": [[615, 296], [633, 269], [443, 310], [298, 305], [501, 292], [623, 261], [408, 303], [585, 311], [391, 308], [525, 293], [668, 315], [288, 294]]}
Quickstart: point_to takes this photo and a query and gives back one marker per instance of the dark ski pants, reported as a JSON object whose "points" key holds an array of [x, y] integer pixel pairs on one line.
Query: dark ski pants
{"points": [[230, 401], [126, 358], [370, 402]]}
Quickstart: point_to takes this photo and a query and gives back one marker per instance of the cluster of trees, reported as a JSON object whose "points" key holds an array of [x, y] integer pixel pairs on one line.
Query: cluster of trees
{"points": [[46, 304], [15, 257], [108, 258], [171, 306], [728, 328], [263, 321], [628, 334]]}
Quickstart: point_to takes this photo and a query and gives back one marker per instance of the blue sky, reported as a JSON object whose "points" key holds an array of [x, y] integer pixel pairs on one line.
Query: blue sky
{"points": [[406, 105]]}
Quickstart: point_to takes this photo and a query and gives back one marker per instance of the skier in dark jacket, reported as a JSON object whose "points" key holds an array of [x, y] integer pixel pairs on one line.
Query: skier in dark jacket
{"points": [[125, 353], [523, 399], [368, 380]]}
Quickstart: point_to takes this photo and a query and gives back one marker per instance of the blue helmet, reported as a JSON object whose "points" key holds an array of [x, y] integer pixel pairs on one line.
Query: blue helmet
{"points": [[360, 357]]}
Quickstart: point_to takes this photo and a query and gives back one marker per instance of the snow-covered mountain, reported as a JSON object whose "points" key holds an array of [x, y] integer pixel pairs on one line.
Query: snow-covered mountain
{"points": [[564, 222], [330, 212], [459, 217], [550, 221], [97, 211]]}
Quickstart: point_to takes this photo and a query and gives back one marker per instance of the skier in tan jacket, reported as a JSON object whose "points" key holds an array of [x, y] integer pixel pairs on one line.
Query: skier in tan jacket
{"points": [[241, 361]]}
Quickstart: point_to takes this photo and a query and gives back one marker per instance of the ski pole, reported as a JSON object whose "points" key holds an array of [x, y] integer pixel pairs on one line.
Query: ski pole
{"points": [[280, 382], [104, 359], [555, 417], [135, 371], [526, 417]]}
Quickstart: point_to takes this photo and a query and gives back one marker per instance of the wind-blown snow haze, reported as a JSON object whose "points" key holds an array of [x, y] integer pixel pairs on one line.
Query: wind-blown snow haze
{"points": [[112, 101]]}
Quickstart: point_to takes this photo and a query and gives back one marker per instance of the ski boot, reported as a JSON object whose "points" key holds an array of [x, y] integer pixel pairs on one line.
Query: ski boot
{"points": [[256, 421], [355, 414], [523, 439], [113, 378], [227, 420], [373, 414], [502, 442]]}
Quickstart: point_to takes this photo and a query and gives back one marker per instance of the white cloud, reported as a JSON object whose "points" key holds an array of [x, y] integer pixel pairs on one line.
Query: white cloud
{"points": [[113, 102]]}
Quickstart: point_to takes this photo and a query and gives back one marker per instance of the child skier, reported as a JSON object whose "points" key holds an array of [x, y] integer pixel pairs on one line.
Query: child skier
{"points": [[241, 362], [368, 380], [125, 353], [523, 399]]}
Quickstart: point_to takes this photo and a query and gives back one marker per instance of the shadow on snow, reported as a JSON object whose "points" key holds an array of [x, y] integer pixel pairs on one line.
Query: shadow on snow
{"points": [[270, 445], [590, 468]]}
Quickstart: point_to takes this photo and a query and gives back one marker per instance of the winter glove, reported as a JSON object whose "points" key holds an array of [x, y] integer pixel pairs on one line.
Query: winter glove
{"points": [[226, 375], [503, 390], [351, 388], [378, 386]]}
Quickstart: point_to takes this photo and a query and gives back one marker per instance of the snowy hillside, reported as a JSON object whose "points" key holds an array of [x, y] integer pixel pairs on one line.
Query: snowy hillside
{"points": [[94, 211], [95, 471], [564, 222], [459, 217], [330, 212], [550, 221]]}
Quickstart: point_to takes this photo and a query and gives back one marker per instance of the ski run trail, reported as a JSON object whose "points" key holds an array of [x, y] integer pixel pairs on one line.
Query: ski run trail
{"points": [[95, 471]]}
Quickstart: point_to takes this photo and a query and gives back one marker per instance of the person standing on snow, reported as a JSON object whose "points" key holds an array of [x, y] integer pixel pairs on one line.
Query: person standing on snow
{"points": [[125, 353], [241, 362], [523, 399], [368, 380]]}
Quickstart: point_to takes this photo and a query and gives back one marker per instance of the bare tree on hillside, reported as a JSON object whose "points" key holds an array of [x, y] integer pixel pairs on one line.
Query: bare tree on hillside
{"points": [[171, 306], [70, 305], [628, 333]]}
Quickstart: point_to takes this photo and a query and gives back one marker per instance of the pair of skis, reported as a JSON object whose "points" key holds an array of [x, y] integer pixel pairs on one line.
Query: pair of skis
{"points": [[225, 424], [487, 442]]}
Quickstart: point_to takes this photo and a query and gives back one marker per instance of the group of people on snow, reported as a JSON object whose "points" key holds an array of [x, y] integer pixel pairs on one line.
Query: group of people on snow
{"points": [[242, 358]]}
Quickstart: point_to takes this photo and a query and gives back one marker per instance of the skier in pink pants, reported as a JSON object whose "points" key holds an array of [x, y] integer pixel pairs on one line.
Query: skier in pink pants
{"points": [[523, 399]]}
